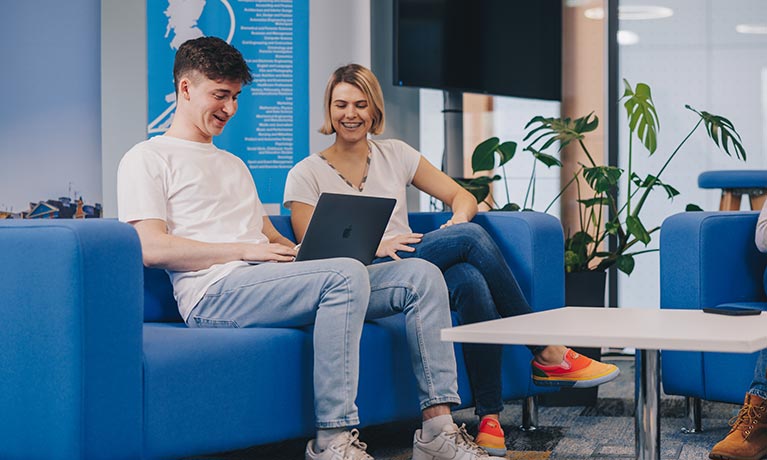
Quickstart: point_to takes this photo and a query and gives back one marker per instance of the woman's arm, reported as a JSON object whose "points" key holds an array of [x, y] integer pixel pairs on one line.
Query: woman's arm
{"points": [[300, 215], [274, 235], [439, 185], [162, 250]]}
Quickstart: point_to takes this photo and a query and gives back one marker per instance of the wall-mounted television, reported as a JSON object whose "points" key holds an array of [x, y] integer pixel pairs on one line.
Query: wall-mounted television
{"points": [[499, 47]]}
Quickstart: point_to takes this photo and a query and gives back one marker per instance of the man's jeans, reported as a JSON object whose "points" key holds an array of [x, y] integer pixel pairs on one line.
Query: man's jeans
{"points": [[337, 295], [759, 384], [482, 287]]}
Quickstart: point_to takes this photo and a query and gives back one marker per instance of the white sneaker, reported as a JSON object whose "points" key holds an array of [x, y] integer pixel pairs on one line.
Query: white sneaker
{"points": [[345, 446], [454, 443]]}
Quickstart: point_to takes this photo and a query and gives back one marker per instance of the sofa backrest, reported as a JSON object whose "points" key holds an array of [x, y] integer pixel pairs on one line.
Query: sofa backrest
{"points": [[159, 303]]}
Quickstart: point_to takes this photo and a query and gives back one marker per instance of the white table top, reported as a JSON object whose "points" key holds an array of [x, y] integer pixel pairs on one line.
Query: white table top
{"points": [[642, 328]]}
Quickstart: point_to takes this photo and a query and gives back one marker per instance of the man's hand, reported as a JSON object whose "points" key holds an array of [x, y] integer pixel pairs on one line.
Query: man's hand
{"points": [[269, 252], [390, 246]]}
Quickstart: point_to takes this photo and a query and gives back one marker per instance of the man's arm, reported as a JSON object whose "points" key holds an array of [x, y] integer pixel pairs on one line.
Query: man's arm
{"points": [[162, 250]]}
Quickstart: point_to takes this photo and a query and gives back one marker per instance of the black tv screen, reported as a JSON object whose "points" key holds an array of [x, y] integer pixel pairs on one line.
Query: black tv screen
{"points": [[501, 47]]}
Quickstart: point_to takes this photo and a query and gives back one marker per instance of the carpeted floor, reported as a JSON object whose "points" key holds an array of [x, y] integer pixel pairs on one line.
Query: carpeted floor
{"points": [[605, 431]]}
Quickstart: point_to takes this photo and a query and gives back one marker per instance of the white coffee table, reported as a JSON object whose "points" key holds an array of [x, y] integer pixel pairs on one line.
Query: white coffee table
{"points": [[647, 330]]}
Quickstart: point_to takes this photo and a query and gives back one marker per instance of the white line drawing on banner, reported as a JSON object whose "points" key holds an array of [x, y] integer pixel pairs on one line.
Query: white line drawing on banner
{"points": [[182, 21]]}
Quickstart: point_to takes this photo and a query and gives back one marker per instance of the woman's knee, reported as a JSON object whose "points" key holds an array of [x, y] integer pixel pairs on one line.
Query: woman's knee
{"points": [[470, 295]]}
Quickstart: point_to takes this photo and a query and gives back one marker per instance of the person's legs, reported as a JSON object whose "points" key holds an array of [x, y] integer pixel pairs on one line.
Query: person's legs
{"points": [[748, 437], [332, 294], [470, 243], [417, 289], [470, 297], [553, 365]]}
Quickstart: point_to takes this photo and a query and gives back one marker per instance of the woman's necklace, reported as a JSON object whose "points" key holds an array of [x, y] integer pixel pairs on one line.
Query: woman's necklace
{"points": [[348, 182]]}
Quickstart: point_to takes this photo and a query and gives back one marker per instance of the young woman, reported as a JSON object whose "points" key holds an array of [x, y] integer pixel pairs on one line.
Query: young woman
{"points": [[481, 284]]}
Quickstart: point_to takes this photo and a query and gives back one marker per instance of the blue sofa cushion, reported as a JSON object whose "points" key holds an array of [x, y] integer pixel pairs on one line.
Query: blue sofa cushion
{"points": [[159, 303]]}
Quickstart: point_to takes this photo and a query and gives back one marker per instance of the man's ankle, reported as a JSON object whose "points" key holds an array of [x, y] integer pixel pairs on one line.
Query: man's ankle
{"points": [[326, 435]]}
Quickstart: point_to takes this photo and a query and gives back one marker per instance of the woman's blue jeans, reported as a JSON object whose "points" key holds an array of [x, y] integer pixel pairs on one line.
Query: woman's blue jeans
{"points": [[482, 287]]}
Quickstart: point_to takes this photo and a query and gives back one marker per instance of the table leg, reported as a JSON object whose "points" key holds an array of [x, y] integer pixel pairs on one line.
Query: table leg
{"points": [[647, 404]]}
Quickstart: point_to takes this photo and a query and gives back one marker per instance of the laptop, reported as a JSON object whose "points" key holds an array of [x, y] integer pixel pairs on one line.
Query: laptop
{"points": [[346, 226]]}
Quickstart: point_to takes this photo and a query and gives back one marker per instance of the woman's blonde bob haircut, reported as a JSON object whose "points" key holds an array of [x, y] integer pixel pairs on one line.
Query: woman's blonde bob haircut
{"points": [[362, 78]]}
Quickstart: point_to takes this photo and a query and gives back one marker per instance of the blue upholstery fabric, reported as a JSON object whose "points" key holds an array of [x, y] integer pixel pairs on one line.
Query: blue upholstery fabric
{"points": [[708, 259], [81, 377], [733, 179], [70, 368]]}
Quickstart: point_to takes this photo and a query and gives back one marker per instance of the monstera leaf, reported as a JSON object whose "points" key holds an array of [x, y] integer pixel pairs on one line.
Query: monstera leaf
{"points": [[643, 119], [483, 158], [722, 132], [551, 130]]}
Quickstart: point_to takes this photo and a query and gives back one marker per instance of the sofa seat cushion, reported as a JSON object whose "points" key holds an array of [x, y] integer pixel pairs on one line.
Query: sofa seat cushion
{"points": [[213, 390]]}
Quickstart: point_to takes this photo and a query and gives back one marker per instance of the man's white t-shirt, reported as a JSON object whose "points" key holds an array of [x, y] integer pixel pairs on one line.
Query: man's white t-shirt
{"points": [[393, 164], [202, 193]]}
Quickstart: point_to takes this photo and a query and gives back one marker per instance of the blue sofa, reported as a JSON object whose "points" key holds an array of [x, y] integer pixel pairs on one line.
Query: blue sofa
{"points": [[709, 259], [96, 362]]}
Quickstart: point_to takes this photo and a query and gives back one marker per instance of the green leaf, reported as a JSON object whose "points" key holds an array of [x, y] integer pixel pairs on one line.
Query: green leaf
{"points": [[722, 132], [562, 130], [634, 226], [612, 227], [602, 178], [691, 207], [589, 202], [643, 119], [548, 160], [506, 150], [483, 157], [625, 263]]}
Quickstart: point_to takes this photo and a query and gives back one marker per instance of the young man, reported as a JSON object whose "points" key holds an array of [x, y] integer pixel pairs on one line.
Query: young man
{"points": [[198, 216]]}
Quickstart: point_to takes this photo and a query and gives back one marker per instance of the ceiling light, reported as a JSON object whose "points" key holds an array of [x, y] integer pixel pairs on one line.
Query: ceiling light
{"points": [[751, 28], [639, 12], [632, 12], [627, 37], [594, 13]]}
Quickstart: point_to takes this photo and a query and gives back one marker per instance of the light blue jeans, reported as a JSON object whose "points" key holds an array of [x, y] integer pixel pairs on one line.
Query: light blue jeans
{"points": [[759, 384], [337, 295]]}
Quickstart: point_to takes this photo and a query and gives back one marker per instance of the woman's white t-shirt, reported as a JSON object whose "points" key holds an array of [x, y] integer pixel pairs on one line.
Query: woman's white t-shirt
{"points": [[393, 164], [202, 193]]}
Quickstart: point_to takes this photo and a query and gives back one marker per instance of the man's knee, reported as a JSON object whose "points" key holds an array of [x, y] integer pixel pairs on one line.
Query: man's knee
{"points": [[350, 271]]}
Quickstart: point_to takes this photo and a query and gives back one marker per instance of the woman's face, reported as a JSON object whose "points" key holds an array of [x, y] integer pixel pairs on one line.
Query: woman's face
{"points": [[350, 113]]}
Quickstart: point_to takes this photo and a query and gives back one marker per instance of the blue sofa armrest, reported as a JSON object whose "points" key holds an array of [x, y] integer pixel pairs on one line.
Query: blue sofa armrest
{"points": [[70, 370], [532, 244], [709, 258], [706, 259]]}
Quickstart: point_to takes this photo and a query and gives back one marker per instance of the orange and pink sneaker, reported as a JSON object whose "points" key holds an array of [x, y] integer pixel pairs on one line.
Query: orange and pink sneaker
{"points": [[575, 371], [490, 437]]}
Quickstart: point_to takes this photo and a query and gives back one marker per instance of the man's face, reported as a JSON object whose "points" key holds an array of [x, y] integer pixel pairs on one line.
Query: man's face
{"points": [[209, 105]]}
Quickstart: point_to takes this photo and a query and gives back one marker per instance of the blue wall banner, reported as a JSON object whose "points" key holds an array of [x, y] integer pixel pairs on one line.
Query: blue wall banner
{"points": [[271, 129]]}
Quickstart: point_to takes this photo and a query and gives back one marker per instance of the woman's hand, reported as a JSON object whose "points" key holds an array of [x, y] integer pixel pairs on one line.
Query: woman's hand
{"points": [[390, 246], [268, 252], [455, 219]]}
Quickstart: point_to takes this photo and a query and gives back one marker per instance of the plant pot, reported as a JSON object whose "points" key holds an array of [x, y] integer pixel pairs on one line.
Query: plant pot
{"points": [[582, 289]]}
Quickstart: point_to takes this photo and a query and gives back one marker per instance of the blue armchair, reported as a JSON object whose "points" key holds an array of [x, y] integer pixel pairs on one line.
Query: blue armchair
{"points": [[709, 259], [96, 362]]}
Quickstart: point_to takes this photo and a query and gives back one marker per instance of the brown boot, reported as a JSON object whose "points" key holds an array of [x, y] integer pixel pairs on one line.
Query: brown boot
{"points": [[747, 440]]}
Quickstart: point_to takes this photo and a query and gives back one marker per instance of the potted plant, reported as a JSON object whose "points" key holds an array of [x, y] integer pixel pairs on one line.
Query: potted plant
{"points": [[601, 213]]}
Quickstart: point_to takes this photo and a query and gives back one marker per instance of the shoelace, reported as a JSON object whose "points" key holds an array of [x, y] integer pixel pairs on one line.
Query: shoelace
{"points": [[462, 437], [353, 442], [747, 416]]}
